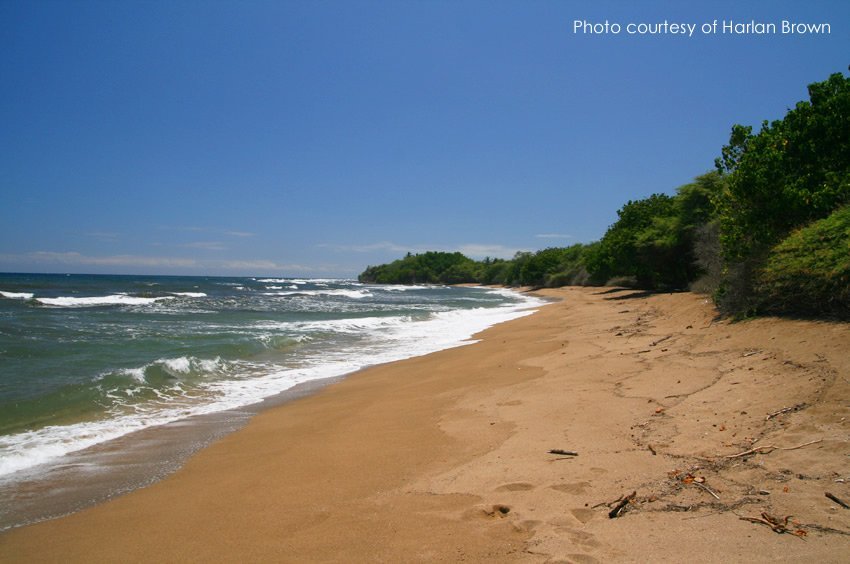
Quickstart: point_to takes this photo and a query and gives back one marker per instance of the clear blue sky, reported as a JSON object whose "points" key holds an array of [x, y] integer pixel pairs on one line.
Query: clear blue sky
{"points": [[314, 138]]}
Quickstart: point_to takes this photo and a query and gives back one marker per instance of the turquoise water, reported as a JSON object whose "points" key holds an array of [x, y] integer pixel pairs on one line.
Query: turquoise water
{"points": [[87, 359]]}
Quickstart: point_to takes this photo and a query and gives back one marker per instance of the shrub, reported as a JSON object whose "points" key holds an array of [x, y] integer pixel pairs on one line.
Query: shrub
{"points": [[809, 272]]}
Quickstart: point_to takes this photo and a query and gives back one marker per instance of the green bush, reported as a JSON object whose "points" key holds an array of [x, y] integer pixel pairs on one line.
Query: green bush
{"points": [[809, 272]]}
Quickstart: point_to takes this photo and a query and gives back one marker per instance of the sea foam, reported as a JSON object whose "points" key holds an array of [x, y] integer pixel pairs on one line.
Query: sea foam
{"points": [[17, 295], [116, 299]]}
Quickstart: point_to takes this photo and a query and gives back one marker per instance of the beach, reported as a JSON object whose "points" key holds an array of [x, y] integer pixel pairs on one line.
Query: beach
{"points": [[729, 434]]}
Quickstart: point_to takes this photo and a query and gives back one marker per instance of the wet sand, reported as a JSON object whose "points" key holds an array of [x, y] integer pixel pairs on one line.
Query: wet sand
{"points": [[445, 457]]}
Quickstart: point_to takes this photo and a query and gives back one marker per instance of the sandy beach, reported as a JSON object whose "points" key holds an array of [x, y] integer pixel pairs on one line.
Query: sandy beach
{"points": [[730, 435]]}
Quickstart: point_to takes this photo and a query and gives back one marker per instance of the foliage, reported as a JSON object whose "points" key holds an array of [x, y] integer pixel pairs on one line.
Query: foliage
{"points": [[794, 171], [653, 239], [707, 255], [548, 267], [809, 272], [427, 268]]}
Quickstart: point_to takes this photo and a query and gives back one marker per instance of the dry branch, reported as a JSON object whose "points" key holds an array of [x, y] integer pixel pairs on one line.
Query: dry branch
{"points": [[797, 407], [618, 509], [776, 524], [836, 500], [706, 488], [757, 450]]}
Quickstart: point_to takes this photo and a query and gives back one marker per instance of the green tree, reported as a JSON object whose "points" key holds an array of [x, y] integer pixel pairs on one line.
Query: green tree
{"points": [[794, 171], [641, 244]]}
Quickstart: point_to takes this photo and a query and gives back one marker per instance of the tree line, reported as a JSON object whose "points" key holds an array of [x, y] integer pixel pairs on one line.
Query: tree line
{"points": [[766, 232]]}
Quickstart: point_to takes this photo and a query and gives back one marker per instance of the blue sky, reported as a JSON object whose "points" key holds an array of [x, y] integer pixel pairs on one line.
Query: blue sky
{"points": [[315, 138]]}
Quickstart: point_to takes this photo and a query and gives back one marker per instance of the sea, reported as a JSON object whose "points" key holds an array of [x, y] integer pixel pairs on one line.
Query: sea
{"points": [[108, 383]]}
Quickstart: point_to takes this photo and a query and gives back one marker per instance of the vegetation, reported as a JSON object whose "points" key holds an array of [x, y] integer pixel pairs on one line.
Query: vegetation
{"points": [[808, 273], [428, 268], [653, 240], [767, 232], [549, 267], [793, 172]]}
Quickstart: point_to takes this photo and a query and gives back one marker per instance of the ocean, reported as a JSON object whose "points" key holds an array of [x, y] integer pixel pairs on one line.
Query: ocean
{"points": [[88, 362]]}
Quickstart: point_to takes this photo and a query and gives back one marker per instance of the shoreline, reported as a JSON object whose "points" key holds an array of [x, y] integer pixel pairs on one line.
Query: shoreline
{"points": [[445, 456], [115, 467], [104, 471]]}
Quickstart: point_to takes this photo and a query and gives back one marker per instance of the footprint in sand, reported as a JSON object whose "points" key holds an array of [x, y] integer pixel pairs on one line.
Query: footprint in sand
{"points": [[582, 514], [515, 487], [582, 559], [574, 488], [496, 511], [583, 539]]}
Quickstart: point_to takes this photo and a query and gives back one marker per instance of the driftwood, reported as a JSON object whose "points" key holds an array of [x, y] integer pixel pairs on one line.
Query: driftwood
{"points": [[618, 509], [661, 340], [563, 452], [757, 450], [836, 500]]}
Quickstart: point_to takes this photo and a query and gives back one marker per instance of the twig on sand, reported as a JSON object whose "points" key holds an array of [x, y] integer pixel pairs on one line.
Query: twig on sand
{"points": [[563, 452], [758, 450], [618, 509], [823, 529], [706, 488], [777, 525], [797, 407], [661, 340], [836, 500]]}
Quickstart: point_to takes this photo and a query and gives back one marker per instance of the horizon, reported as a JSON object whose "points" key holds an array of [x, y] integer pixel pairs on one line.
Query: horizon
{"points": [[311, 140]]}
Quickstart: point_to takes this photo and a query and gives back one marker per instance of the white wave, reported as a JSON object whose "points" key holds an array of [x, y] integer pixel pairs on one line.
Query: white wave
{"points": [[357, 325], [504, 292], [177, 366], [189, 294], [354, 294], [180, 365], [17, 295], [282, 281], [116, 299], [400, 288], [137, 374]]}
